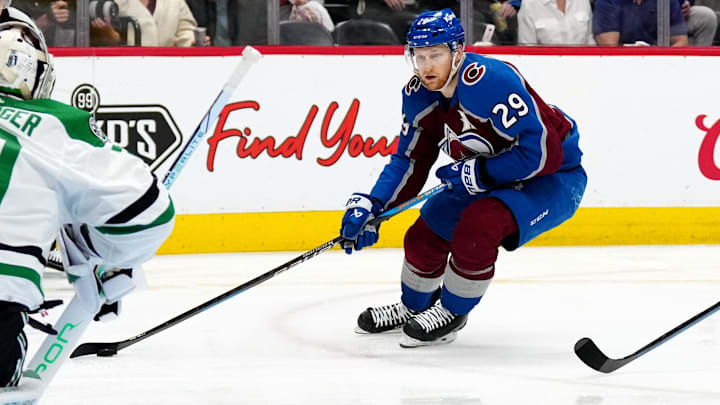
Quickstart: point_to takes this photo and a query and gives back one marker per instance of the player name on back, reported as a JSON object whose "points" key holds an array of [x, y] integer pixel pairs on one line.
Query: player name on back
{"points": [[25, 121]]}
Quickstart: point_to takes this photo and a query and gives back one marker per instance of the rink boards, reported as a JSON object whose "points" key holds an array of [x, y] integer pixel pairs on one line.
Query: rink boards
{"points": [[304, 131]]}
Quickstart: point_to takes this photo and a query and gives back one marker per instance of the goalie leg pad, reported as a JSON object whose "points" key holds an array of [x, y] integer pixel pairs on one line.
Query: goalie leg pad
{"points": [[13, 318]]}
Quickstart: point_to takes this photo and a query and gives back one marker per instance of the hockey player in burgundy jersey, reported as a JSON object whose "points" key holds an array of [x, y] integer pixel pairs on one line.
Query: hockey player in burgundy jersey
{"points": [[517, 174]]}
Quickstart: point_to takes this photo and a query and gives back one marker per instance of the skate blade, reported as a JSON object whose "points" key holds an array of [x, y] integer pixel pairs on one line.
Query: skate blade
{"points": [[408, 342], [387, 332]]}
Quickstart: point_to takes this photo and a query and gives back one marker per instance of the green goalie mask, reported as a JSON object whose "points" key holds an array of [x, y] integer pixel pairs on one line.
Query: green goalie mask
{"points": [[26, 66]]}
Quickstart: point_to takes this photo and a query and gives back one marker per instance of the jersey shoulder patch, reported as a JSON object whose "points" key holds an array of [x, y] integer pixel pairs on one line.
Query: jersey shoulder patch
{"points": [[472, 73], [484, 82], [79, 124], [416, 98], [413, 85]]}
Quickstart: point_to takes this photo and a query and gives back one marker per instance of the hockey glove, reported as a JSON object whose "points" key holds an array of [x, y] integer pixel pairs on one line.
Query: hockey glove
{"points": [[115, 284], [462, 178], [360, 209], [101, 292], [97, 287]]}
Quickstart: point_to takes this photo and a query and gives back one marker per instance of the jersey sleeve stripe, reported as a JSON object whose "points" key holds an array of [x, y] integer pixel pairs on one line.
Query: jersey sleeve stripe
{"points": [[21, 272], [88, 240], [136, 208], [164, 218], [403, 179], [34, 251]]}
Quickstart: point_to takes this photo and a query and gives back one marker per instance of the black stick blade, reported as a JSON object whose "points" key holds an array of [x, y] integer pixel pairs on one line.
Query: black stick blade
{"points": [[588, 352], [100, 349]]}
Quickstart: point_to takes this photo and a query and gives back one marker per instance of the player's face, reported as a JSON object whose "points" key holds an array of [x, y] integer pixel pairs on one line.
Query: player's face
{"points": [[433, 65]]}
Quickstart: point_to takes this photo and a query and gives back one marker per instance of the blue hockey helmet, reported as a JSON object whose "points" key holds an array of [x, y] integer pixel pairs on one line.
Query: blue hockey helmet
{"points": [[436, 27]]}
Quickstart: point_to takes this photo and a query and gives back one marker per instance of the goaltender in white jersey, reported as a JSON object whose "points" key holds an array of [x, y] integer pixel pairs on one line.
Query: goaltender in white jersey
{"points": [[61, 179]]}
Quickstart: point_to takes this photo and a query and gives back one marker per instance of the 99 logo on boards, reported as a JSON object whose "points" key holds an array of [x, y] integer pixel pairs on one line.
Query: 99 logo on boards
{"points": [[146, 131]]}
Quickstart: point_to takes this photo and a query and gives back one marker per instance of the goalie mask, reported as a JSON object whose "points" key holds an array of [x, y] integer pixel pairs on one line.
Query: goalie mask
{"points": [[26, 66]]}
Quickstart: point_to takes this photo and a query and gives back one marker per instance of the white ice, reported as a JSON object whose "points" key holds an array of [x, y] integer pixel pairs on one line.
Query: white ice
{"points": [[290, 340]]}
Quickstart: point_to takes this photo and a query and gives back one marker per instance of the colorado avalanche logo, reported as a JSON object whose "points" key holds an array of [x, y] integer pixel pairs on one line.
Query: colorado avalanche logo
{"points": [[467, 144], [413, 85], [472, 74]]}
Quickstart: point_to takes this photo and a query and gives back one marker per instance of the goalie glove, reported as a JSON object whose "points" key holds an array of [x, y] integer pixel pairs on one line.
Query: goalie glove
{"points": [[97, 287], [102, 290]]}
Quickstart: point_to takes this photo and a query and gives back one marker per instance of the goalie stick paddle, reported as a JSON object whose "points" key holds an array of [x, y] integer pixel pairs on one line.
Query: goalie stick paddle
{"points": [[591, 355], [111, 348], [250, 56]]}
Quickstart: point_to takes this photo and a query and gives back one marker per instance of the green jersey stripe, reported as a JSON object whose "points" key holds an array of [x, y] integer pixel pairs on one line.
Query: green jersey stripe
{"points": [[9, 150], [75, 121], [22, 272], [164, 218]]}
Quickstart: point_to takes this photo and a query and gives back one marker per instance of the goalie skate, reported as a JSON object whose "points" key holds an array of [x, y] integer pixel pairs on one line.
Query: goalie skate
{"points": [[434, 326]]}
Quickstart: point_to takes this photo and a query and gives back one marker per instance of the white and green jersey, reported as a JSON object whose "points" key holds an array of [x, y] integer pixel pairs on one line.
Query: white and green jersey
{"points": [[55, 170]]}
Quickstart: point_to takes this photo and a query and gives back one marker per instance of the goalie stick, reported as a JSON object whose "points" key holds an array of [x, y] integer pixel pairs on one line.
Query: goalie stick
{"points": [[249, 57], [591, 355], [75, 319], [111, 348]]}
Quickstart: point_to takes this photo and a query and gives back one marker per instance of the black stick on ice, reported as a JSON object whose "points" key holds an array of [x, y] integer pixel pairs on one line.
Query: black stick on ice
{"points": [[591, 355], [111, 348]]}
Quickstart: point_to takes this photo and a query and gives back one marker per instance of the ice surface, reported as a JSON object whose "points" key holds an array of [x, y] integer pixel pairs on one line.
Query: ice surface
{"points": [[290, 340]]}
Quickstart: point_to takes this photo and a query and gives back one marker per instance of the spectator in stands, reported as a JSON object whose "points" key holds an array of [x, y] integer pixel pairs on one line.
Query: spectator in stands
{"points": [[311, 11], [54, 18], [174, 21], [104, 32], [714, 5], [555, 22], [501, 14], [205, 13], [398, 14], [137, 10], [618, 22], [701, 23], [286, 7]]}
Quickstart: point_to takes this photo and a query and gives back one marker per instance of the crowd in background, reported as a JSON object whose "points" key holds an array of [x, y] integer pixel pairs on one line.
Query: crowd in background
{"points": [[372, 22]]}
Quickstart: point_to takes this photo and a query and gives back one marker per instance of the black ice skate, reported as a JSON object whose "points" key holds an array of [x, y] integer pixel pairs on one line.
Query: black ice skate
{"points": [[433, 326], [387, 318]]}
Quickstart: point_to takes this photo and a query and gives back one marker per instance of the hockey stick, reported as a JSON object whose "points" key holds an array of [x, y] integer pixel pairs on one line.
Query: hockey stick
{"points": [[249, 58], [111, 348], [75, 319], [591, 355], [49, 356]]}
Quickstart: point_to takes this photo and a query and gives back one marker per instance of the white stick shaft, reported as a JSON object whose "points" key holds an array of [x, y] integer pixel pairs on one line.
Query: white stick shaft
{"points": [[51, 355], [250, 57], [57, 348]]}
